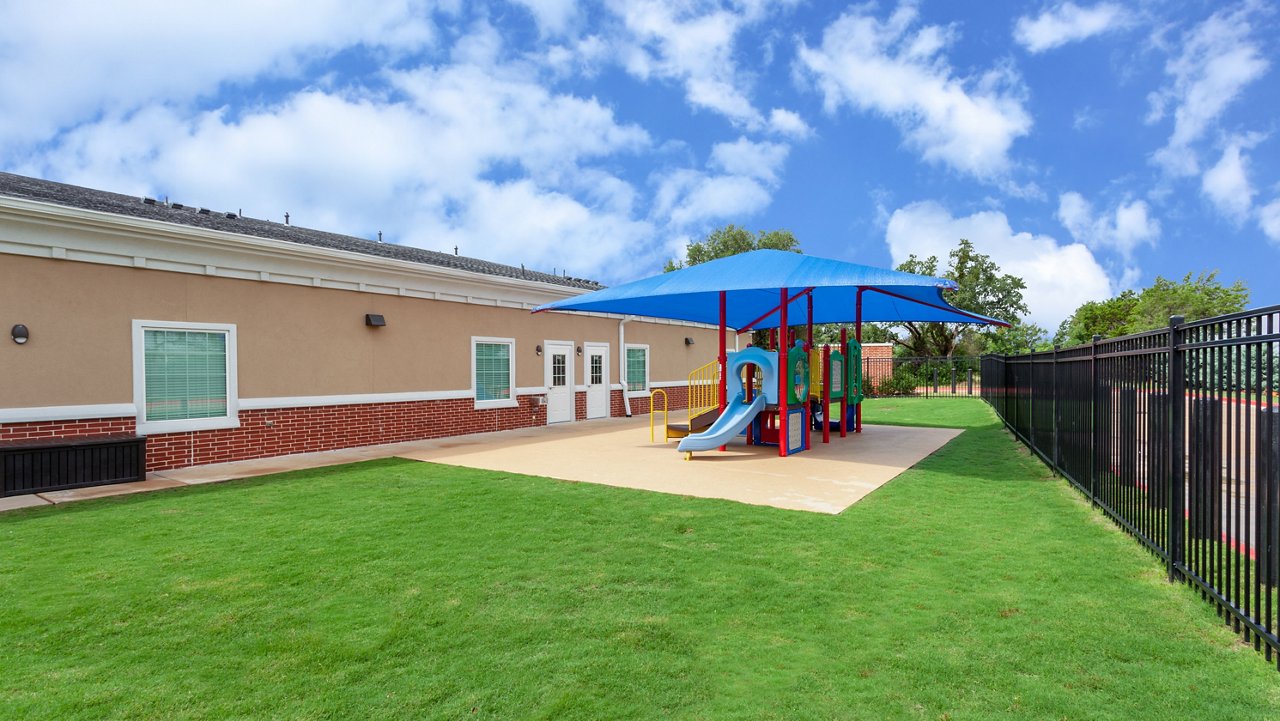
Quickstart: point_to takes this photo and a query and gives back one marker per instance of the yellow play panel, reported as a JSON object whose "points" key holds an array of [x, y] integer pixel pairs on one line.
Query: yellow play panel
{"points": [[617, 452]]}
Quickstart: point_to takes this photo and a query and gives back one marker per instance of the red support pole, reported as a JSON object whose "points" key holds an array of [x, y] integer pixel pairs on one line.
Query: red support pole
{"points": [[826, 393], [784, 374], [857, 335], [844, 382], [724, 358]]}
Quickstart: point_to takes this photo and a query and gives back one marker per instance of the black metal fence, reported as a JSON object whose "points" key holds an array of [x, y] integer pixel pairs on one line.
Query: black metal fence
{"points": [[922, 376], [1175, 434]]}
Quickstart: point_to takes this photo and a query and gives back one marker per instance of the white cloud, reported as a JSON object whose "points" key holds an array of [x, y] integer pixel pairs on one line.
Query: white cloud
{"points": [[85, 59], [1269, 220], [895, 71], [753, 160], [788, 123], [1086, 118], [495, 164], [689, 198], [679, 41], [1065, 23], [1218, 60], [1059, 277], [554, 17], [1226, 184], [1123, 229]]}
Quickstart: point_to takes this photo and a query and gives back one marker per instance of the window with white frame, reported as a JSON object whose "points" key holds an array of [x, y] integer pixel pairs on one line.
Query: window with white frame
{"points": [[493, 372], [637, 368], [184, 376]]}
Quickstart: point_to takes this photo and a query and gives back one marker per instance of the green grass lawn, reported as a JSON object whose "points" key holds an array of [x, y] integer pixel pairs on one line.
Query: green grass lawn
{"points": [[974, 586]]}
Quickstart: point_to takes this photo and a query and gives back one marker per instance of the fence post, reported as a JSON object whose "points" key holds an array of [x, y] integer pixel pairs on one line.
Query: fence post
{"points": [[1177, 446], [1031, 397], [1093, 421], [1266, 474], [1057, 458]]}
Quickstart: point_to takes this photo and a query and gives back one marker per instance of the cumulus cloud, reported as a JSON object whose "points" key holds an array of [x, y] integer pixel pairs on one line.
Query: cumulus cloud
{"points": [[788, 123], [896, 70], [1122, 229], [694, 46], [1059, 277], [1226, 184], [1066, 23], [1219, 58], [1269, 220], [111, 61], [740, 184], [498, 165], [554, 17]]}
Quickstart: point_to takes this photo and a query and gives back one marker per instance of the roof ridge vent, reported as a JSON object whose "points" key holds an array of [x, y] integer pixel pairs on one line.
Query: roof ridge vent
{"points": [[177, 206], [204, 211], [148, 201]]}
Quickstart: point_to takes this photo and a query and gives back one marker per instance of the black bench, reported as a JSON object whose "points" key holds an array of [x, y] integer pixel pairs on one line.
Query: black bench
{"points": [[57, 464]]}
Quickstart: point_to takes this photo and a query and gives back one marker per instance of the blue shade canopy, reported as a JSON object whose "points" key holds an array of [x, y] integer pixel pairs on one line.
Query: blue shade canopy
{"points": [[752, 281]]}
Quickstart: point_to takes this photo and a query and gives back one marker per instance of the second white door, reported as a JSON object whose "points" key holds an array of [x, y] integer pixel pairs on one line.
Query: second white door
{"points": [[597, 369]]}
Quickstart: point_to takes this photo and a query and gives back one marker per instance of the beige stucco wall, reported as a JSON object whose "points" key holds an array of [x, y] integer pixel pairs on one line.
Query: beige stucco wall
{"points": [[293, 340]]}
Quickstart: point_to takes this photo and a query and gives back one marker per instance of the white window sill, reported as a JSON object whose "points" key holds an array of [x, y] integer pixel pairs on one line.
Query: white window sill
{"points": [[148, 428], [505, 403]]}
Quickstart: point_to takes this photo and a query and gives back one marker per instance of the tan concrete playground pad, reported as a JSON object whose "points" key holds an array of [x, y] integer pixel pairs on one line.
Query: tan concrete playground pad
{"points": [[826, 479]]}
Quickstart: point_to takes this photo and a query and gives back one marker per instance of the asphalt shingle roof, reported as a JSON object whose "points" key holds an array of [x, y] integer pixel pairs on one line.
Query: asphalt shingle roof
{"points": [[19, 186]]}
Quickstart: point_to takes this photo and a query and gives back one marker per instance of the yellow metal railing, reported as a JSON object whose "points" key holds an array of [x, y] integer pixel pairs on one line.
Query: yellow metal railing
{"points": [[704, 390], [653, 412]]}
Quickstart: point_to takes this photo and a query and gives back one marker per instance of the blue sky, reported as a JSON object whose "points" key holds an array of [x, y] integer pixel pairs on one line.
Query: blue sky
{"points": [[1086, 147]]}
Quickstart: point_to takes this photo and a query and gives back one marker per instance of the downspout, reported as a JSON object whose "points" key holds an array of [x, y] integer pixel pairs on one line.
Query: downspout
{"points": [[622, 363]]}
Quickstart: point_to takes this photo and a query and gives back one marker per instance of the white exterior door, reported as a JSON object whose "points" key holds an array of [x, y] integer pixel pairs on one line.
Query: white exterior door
{"points": [[559, 381], [597, 369]]}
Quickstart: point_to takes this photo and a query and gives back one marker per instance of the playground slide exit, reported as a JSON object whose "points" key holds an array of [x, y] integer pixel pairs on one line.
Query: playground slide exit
{"points": [[738, 412]]}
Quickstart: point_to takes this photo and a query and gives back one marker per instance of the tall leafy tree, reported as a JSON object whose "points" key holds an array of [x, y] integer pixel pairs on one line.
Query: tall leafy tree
{"points": [[1195, 297], [983, 289], [1017, 338], [732, 240]]}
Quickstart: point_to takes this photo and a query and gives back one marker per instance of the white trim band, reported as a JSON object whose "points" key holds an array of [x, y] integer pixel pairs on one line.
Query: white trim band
{"points": [[68, 413]]}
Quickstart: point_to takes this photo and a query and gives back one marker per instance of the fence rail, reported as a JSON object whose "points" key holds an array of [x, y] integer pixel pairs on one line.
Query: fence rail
{"points": [[1174, 434]]}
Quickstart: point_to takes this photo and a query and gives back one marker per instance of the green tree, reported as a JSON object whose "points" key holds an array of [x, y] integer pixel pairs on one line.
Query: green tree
{"points": [[732, 240], [983, 289], [1195, 298], [1107, 318], [1201, 296], [1017, 339]]}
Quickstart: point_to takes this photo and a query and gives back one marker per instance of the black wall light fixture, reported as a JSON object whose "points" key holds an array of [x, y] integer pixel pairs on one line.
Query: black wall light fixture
{"points": [[537, 349], [20, 334], [688, 340], [373, 320], [579, 350]]}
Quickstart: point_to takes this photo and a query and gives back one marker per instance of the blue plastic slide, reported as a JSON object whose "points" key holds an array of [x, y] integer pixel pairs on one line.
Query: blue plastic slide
{"points": [[737, 414]]}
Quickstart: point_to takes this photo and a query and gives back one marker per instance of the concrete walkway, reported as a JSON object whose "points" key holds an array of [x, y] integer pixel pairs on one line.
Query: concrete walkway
{"points": [[614, 452]]}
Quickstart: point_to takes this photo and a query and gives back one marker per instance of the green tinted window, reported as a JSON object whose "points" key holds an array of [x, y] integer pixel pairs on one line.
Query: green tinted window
{"points": [[637, 368], [493, 371], [185, 374]]}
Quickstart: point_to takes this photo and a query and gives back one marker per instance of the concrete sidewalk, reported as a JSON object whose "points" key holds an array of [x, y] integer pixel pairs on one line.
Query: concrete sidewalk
{"points": [[615, 452]]}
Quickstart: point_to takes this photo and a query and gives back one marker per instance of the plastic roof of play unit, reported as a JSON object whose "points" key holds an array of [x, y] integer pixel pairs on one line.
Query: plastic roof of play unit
{"points": [[752, 281]]}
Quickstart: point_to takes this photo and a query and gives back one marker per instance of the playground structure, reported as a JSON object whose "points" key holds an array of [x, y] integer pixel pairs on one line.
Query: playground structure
{"points": [[756, 291]]}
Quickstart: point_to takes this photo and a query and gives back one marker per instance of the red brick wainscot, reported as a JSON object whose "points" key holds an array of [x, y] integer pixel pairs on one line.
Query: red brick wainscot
{"points": [[281, 431]]}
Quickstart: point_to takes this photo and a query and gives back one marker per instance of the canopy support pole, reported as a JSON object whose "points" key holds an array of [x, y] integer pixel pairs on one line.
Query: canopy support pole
{"points": [[808, 439], [784, 374], [857, 335], [724, 357], [844, 382]]}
